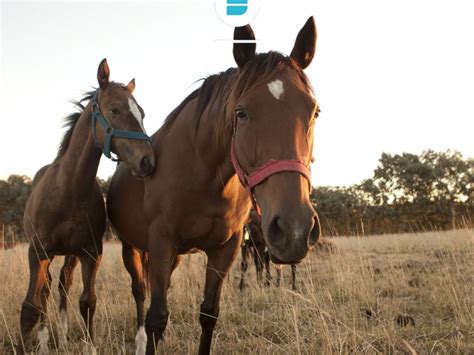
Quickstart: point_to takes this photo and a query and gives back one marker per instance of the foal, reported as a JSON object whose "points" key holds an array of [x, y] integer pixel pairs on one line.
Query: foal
{"points": [[65, 214], [246, 135], [255, 245]]}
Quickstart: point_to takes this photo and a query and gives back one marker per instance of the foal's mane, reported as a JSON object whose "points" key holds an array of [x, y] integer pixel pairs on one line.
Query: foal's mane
{"points": [[225, 88], [71, 121]]}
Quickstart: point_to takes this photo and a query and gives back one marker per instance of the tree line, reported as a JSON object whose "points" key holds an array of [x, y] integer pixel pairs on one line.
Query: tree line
{"points": [[407, 192]]}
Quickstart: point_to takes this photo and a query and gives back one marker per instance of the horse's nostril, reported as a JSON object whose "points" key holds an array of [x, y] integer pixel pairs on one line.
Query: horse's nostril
{"points": [[276, 233], [146, 166]]}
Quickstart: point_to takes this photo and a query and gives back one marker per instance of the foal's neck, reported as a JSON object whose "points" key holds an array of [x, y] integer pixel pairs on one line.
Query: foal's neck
{"points": [[81, 160]]}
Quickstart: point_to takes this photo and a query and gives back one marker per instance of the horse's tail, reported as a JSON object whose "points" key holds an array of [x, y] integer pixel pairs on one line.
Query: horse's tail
{"points": [[146, 271]]}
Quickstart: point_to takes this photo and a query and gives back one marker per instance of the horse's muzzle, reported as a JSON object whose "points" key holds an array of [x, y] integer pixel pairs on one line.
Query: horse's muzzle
{"points": [[289, 240], [147, 166]]}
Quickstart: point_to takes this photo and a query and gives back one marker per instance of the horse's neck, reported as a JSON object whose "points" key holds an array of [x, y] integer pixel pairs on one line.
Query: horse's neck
{"points": [[80, 162]]}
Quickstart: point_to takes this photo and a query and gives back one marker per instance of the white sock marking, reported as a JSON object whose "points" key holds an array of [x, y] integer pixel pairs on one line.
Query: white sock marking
{"points": [[136, 113], [276, 88], [43, 337], [63, 325], [140, 341]]}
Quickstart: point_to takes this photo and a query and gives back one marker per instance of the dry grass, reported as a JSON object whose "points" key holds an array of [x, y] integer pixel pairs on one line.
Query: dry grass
{"points": [[362, 299]]}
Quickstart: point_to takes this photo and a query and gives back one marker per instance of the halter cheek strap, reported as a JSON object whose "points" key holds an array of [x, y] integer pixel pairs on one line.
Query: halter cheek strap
{"points": [[109, 131], [272, 167]]}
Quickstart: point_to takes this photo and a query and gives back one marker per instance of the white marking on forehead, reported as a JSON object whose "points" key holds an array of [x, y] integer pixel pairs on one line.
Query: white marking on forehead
{"points": [[276, 88], [136, 113]]}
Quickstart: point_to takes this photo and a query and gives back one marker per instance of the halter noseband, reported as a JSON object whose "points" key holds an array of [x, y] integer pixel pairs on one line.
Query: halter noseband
{"points": [[249, 181], [110, 131]]}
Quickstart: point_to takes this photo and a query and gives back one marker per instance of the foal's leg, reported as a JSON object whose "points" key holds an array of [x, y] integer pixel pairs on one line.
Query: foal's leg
{"points": [[32, 306], [163, 260], [65, 282], [293, 277], [218, 264], [88, 299], [43, 334], [244, 251], [278, 280], [266, 260], [132, 261], [258, 251]]}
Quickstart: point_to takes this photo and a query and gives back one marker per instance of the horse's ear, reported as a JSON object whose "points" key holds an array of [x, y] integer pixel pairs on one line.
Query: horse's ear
{"points": [[305, 44], [243, 52], [131, 85], [103, 74]]}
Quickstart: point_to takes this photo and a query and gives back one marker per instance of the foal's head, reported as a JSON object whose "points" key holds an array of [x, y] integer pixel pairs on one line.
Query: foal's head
{"points": [[274, 112], [122, 112]]}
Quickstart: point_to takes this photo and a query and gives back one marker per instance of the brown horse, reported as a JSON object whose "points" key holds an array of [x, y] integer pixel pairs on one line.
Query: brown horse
{"points": [[255, 245], [208, 155], [65, 214]]}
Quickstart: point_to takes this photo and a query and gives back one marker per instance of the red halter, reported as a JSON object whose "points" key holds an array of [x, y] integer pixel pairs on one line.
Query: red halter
{"points": [[249, 181]]}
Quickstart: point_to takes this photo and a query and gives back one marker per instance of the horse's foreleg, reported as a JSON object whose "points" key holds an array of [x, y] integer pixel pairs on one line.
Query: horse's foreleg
{"points": [[88, 299], [65, 282], [163, 259], [32, 307], [293, 277], [218, 264], [132, 261]]}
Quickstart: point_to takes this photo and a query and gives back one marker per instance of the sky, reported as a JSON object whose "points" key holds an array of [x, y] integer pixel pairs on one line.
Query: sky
{"points": [[390, 76]]}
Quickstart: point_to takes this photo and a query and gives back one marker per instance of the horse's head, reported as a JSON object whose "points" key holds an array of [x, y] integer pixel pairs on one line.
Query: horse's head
{"points": [[274, 114], [118, 124]]}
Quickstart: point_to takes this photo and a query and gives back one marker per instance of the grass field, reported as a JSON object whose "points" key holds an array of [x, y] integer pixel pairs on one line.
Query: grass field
{"points": [[409, 293]]}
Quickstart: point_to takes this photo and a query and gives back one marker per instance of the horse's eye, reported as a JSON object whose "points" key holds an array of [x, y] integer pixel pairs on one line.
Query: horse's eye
{"points": [[115, 111], [316, 114], [241, 114]]}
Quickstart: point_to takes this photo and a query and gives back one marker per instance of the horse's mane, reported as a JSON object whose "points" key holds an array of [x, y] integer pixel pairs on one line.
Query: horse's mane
{"points": [[225, 87], [70, 123]]}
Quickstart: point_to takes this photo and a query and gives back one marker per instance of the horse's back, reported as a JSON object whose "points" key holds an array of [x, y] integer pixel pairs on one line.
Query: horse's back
{"points": [[39, 174], [125, 207]]}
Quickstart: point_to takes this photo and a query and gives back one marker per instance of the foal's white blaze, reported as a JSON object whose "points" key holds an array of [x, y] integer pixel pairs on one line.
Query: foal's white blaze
{"points": [[140, 341], [43, 337], [136, 113], [276, 88]]}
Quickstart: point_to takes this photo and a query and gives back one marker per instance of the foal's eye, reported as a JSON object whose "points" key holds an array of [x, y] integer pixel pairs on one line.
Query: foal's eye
{"points": [[115, 111], [241, 114]]}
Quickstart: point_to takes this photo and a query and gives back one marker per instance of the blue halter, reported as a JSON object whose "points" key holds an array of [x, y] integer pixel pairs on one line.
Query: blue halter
{"points": [[109, 131]]}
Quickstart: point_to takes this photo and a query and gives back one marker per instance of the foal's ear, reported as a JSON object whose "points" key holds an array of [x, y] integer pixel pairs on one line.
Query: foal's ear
{"points": [[103, 74], [131, 85], [243, 52], [305, 44]]}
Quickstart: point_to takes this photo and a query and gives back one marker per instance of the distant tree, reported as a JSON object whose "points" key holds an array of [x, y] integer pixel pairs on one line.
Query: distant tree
{"points": [[14, 193], [104, 185]]}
